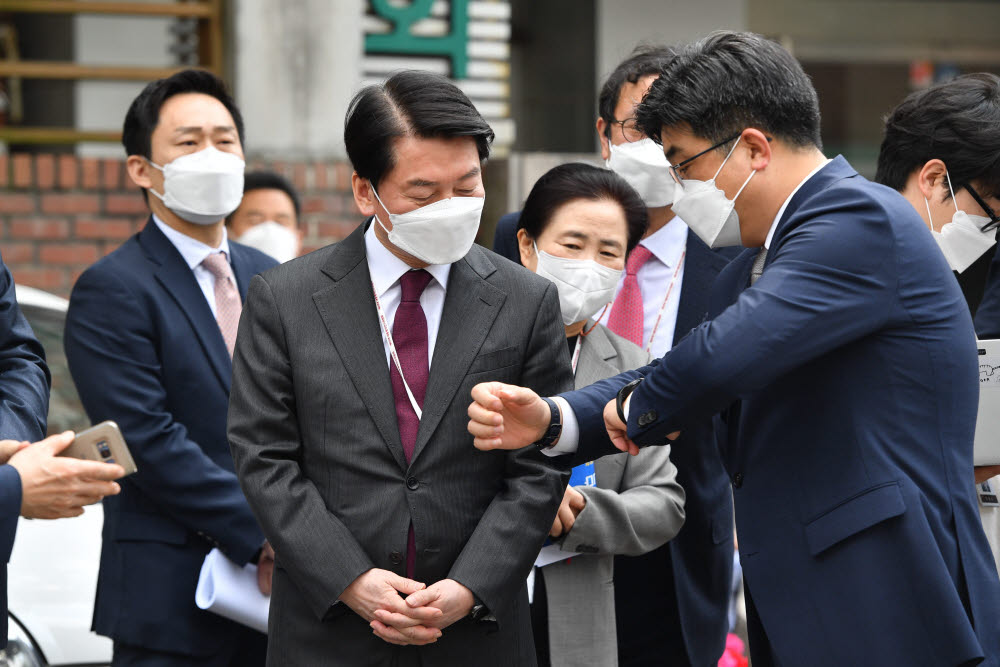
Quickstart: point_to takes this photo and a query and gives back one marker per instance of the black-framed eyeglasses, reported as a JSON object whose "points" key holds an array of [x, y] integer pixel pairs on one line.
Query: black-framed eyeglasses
{"points": [[630, 129], [675, 169], [994, 222]]}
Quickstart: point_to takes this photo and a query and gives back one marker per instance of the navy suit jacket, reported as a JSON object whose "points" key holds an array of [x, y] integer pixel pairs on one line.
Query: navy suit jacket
{"points": [[988, 314], [24, 403], [145, 351], [854, 358], [673, 601]]}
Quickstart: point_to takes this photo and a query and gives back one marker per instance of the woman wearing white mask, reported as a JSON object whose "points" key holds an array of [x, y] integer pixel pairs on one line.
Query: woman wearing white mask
{"points": [[577, 227]]}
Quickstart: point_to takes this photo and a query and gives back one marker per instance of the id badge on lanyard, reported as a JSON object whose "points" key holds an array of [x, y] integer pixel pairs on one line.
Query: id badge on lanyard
{"points": [[392, 353]]}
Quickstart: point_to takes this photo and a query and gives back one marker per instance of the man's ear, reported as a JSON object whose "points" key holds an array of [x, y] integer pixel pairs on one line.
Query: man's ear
{"points": [[364, 197], [931, 179], [138, 169], [760, 148], [602, 136]]}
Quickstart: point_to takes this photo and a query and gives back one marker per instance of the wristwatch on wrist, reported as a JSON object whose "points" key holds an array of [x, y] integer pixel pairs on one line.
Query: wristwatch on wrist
{"points": [[552, 433], [623, 394]]}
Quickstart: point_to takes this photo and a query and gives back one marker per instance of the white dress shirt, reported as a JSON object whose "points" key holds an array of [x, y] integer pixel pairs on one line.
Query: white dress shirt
{"points": [[666, 245], [570, 438], [386, 269], [194, 253]]}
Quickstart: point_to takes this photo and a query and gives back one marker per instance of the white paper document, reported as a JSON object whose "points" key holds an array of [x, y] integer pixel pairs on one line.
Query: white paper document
{"points": [[987, 447], [226, 589]]}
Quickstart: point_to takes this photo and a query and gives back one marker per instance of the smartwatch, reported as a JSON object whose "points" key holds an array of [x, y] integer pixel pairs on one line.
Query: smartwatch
{"points": [[552, 433], [623, 394]]}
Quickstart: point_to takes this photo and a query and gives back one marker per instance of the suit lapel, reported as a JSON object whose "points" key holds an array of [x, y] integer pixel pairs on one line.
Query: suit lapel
{"points": [[347, 308], [701, 265], [596, 357], [179, 281], [241, 270], [470, 306]]}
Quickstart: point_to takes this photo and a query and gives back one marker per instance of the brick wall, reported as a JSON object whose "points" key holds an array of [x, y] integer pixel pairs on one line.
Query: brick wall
{"points": [[59, 213]]}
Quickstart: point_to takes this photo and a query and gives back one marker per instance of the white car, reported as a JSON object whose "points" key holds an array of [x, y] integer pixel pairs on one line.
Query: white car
{"points": [[52, 576]]}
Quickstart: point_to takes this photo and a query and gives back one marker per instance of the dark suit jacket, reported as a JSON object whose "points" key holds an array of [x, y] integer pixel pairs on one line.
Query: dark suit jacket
{"points": [[505, 237], [855, 360], [312, 426], [672, 602], [145, 351], [24, 404], [987, 315]]}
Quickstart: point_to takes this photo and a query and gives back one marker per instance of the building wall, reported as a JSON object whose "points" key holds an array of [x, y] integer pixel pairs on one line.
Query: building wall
{"points": [[61, 213]]}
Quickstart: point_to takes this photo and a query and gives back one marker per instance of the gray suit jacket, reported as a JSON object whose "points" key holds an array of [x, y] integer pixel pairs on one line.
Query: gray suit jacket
{"points": [[312, 427], [636, 506]]}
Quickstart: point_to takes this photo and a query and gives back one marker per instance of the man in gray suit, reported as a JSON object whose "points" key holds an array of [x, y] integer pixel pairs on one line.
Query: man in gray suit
{"points": [[397, 543]]}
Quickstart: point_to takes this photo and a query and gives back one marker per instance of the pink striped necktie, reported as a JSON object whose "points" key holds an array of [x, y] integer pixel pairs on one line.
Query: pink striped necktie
{"points": [[228, 305], [626, 317]]}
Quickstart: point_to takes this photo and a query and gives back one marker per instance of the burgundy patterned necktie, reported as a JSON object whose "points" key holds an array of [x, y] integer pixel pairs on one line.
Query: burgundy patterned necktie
{"points": [[409, 334], [627, 317]]}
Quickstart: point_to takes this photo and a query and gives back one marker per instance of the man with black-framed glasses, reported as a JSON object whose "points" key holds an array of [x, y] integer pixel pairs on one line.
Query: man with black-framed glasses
{"points": [[671, 604], [852, 354], [941, 150]]}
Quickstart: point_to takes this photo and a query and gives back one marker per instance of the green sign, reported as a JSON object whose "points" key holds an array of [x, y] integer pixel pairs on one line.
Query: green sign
{"points": [[453, 45]]}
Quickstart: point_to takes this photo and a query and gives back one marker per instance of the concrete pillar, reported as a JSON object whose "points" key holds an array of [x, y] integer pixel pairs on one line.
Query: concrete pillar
{"points": [[621, 24], [296, 64]]}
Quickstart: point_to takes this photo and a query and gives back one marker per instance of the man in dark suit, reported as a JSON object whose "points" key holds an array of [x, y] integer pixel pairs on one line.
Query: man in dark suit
{"points": [[351, 444], [33, 483], [671, 604], [853, 353], [149, 337]]}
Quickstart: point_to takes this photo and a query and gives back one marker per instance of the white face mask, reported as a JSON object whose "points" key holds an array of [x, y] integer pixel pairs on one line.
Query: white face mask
{"points": [[272, 238], [439, 233], [962, 240], [584, 285], [707, 211], [202, 187], [644, 167]]}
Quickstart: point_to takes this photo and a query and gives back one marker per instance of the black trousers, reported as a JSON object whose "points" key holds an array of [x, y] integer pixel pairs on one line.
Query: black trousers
{"points": [[250, 650]]}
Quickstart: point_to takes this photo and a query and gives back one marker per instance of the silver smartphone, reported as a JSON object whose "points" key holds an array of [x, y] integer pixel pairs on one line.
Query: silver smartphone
{"points": [[103, 442]]}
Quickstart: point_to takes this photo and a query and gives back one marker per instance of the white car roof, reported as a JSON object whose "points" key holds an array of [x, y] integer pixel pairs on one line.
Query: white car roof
{"points": [[31, 296]]}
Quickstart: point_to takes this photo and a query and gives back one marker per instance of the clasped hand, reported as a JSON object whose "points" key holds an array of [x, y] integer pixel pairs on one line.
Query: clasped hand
{"points": [[418, 618]]}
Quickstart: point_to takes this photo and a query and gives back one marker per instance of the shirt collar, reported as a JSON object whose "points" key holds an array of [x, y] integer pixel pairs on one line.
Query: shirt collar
{"points": [[667, 241], [192, 250], [386, 269], [781, 211]]}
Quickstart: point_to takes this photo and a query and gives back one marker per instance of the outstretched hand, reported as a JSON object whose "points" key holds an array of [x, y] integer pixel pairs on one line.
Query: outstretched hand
{"points": [[505, 416]]}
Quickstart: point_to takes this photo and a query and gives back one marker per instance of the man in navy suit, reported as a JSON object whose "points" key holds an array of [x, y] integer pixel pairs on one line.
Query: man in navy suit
{"points": [[33, 483], [149, 339], [671, 604], [853, 353]]}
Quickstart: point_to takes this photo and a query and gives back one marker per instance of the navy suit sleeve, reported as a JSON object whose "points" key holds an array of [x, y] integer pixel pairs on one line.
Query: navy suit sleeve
{"points": [[111, 346], [10, 508], [24, 377], [505, 237], [818, 293]]}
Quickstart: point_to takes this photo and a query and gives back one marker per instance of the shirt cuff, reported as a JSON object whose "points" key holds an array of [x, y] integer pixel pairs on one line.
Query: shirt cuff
{"points": [[569, 440], [625, 406]]}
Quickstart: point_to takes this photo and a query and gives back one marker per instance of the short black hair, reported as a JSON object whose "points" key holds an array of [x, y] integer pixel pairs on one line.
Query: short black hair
{"points": [[409, 103], [269, 180], [576, 180], [729, 81], [645, 60], [957, 122], [144, 113]]}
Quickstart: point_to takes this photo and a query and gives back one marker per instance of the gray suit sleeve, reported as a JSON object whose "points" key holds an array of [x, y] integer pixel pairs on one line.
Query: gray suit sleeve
{"points": [[497, 558], [264, 439], [643, 513]]}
